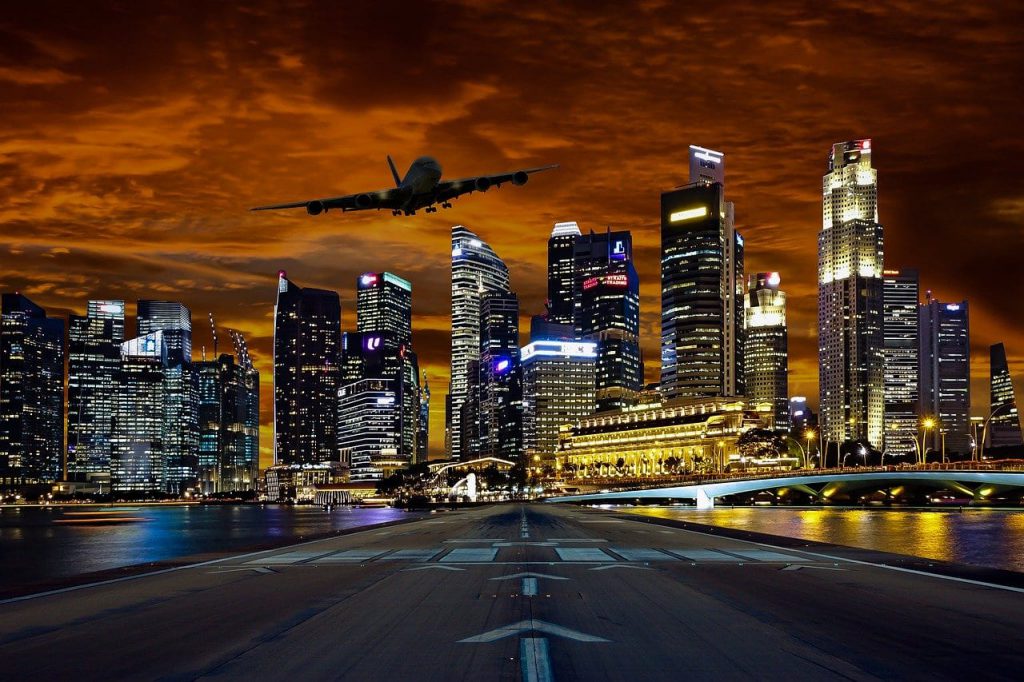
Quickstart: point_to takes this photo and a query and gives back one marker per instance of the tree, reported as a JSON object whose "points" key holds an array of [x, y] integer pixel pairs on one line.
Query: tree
{"points": [[761, 444]]}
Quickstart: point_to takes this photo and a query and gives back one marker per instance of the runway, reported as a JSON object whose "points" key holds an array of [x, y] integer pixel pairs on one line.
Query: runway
{"points": [[521, 592]]}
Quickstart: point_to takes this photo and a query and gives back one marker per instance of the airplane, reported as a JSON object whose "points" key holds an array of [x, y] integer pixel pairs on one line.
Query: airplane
{"points": [[420, 188]]}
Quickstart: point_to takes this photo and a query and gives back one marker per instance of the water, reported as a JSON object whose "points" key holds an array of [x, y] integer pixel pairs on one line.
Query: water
{"points": [[36, 543], [982, 537]]}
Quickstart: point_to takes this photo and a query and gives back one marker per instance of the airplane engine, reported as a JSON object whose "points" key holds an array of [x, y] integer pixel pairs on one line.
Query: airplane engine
{"points": [[483, 184], [364, 201], [520, 178], [315, 207]]}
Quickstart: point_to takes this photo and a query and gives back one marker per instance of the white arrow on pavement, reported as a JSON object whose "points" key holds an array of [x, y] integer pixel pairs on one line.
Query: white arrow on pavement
{"points": [[797, 567], [440, 567], [516, 576], [260, 569], [611, 566], [532, 625]]}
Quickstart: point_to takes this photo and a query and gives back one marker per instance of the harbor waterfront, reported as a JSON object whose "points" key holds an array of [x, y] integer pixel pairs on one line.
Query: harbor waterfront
{"points": [[51, 542], [992, 538]]}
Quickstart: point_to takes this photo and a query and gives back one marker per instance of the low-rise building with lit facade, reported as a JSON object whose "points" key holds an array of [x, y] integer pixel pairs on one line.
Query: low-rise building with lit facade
{"points": [[686, 434], [558, 388]]}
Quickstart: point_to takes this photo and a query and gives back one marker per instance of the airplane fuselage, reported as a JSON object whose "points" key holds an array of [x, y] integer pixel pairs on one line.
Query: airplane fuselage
{"points": [[420, 181]]}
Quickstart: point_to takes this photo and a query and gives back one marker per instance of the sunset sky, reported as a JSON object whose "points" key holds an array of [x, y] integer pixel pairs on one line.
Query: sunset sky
{"points": [[134, 135]]}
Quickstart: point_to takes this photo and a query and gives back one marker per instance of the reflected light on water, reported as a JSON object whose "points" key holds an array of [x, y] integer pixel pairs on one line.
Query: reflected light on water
{"points": [[983, 537]]}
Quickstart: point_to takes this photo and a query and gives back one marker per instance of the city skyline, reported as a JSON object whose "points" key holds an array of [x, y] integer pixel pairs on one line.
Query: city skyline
{"points": [[135, 204]]}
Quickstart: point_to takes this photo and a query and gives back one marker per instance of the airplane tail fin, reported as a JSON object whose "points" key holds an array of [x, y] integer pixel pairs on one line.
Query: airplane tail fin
{"points": [[394, 172]]}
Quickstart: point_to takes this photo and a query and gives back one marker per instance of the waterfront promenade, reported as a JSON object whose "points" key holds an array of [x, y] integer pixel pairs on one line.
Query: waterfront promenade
{"points": [[534, 592]]}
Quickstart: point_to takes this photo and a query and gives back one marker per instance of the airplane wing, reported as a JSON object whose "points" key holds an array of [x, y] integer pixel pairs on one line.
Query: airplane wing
{"points": [[450, 189], [385, 198]]}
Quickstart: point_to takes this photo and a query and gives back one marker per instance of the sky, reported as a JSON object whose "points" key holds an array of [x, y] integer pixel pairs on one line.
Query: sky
{"points": [[134, 135]]}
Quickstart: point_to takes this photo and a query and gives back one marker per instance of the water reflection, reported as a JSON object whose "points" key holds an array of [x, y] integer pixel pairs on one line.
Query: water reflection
{"points": [[37, 543], [984, 537]]}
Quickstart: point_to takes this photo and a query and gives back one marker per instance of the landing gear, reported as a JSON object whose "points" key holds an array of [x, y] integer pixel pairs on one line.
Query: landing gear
{"points": [[431, 209], [396, 212], [446, 204]]}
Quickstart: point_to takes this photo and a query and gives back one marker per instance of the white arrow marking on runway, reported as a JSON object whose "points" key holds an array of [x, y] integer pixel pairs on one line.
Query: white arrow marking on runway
{"points": [[437, 566], [529, 575], [797, 567], [532, 626], [261, 569], [609, 566]]}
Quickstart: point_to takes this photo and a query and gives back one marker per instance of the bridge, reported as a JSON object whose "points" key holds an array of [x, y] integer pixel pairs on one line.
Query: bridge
{"points": [[975, 484]]}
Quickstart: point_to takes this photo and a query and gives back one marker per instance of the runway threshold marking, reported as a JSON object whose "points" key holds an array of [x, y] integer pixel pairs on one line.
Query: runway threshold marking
{"points": [[516, 576], [582, 554], [470, 554], [535, 659]]}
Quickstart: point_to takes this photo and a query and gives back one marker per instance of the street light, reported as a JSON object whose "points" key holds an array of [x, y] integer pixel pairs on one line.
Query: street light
{"points": [[984, 429], [809, 435], [927, 424]]}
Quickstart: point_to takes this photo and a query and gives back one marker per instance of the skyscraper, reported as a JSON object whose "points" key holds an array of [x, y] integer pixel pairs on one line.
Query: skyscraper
{"points": [[137, 463], [31, 392], [476, 270], [307, 341], [900, 299], [370, 428], [850, 300], [384, 306], [558, 389], [561, 272], [607, 311], [181, 404], [766, 346], [500, 385], [945, 370], [228, 424], [423, 427], [701, 285], [1004, 424], [94, 359]]}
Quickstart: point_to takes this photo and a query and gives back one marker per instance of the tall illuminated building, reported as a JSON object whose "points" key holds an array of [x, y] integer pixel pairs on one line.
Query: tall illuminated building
{"points": [[900, 298], [945, 370], [307, 341], [561, 272], [228, 424], [476, 271], [181, 404], [94, 359], [423, 426], [558, 389], [702, 286], [384, 306], [850, 299], [607, 311], [31, 393], [500, 384], [138, 464], [1004, 425], [766, 346], [370, 428]]}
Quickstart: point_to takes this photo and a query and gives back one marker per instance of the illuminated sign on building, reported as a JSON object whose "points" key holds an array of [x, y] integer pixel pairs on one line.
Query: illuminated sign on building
{"points": [[115, 308], [368, 280], [371, 342], [387, 400], [707, 156], [619, 249], [688, 214], [774, 279], [953, 307], [563, 349], [502, 365], [609, 280]]}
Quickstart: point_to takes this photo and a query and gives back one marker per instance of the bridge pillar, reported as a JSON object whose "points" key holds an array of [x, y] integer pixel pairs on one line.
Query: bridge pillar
{"points": [[704, 501]]}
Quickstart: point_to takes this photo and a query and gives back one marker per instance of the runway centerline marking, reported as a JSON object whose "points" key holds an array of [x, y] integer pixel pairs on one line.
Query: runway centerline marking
{"points": [[535, 659]]}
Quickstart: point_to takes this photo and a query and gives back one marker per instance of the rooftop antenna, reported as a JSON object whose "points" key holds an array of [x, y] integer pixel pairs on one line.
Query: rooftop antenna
{"points": [[213, 328]]}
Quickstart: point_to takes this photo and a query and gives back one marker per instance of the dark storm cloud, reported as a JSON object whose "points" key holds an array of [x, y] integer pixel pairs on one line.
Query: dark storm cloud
{"points": [[133, 136]]}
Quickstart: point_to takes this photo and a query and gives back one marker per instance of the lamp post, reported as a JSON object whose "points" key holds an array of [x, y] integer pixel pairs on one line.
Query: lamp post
{"points": [[984, 428], [721, 455], [809, 435], [803, 453], [927, 424]]}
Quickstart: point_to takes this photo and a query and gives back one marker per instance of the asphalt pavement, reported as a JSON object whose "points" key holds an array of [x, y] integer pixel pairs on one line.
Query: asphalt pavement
{"points": [[521, 592]]}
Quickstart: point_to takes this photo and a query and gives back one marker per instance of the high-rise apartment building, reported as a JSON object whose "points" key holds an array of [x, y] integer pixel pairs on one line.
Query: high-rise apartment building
{"points": [[900, 300], [181, 404], [370, 427], [423, 426], [561, 272], [850, 300], [476, 271], [307, 342], [558, 389], [138, 465], [499, 428], [766, 346], [31, 392], [945, 371], [607, 312], [228, 424], [94, 359], [702, 286], [1004, 423]]}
